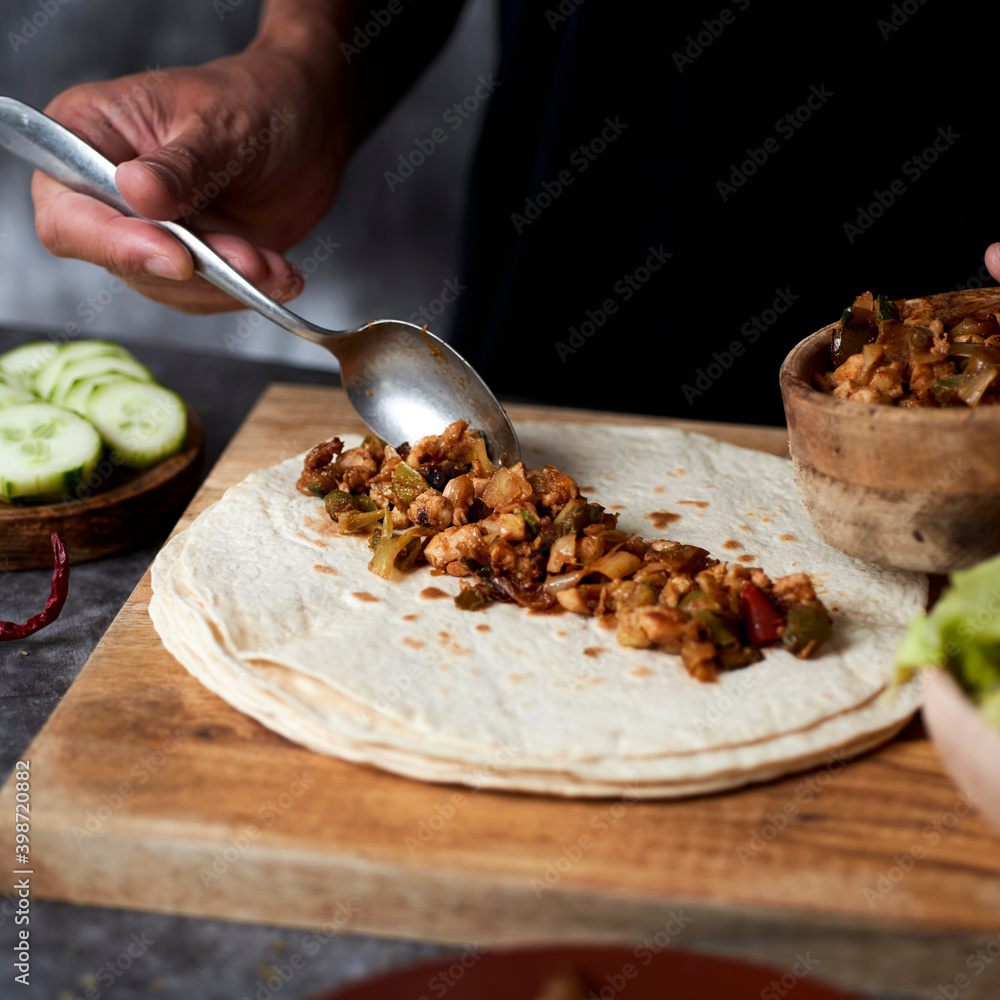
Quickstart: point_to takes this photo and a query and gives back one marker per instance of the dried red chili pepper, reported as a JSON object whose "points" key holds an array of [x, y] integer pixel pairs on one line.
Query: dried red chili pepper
{"points": [[764, 622], [57, 597]]}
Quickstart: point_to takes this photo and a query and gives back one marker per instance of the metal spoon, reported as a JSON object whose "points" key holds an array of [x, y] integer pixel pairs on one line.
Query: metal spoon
{"points": [[403, 381]]}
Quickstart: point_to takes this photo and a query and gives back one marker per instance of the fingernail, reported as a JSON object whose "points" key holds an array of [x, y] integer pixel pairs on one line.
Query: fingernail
{"points": [[163, 267], [170, 182]]}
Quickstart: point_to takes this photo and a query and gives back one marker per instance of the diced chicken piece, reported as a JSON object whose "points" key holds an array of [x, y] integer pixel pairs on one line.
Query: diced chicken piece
{"points": [[455, 544], [888, 379], [559, 490], [796, 588], [431, 509], [509, 527], [666, 627], [851, 370], [923, 375]]}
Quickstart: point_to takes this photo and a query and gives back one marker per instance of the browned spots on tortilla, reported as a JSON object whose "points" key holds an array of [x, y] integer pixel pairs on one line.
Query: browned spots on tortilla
{"points": [[586, 489], [410, 618], [482, 628], [731, 544], [328, 570], [642, 672], [323, 524], [432, 593], [745, 527], [444, 638], [413, 643], [517, 678], [788, 538], [616, 506], [363, 595], [561, 634], [746, 558], [594, 651], [662, 518], [701, 504], [660, 489]]}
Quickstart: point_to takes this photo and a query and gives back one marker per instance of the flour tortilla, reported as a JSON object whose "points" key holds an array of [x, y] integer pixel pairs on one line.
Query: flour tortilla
{"points": [[272, 610]]}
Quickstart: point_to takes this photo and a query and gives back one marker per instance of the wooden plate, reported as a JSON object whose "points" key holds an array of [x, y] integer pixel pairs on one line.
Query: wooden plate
{"points": [[125, 509]]}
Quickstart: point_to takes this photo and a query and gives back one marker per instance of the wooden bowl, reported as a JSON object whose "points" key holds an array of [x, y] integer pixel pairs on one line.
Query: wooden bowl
{"points": [[126, 509], [969, 746], [917, 489]]}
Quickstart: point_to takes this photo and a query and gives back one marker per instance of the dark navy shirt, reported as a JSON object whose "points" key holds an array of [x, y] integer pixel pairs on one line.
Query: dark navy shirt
{"points": [[667, 198]]}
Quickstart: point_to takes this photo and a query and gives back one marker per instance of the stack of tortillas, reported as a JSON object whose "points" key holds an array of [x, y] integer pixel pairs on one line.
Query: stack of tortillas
{"points": [[270, 608]]}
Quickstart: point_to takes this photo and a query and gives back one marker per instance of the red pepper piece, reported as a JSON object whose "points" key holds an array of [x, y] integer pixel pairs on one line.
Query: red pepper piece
{"points": [[764, 622], [57, 597]]}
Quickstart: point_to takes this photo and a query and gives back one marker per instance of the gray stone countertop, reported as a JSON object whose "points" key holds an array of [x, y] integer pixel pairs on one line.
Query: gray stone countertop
{"points": [[83, 951]]}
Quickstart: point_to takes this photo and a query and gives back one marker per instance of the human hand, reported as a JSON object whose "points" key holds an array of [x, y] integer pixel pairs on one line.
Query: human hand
{"points": [[249, 148], [993, 260]]}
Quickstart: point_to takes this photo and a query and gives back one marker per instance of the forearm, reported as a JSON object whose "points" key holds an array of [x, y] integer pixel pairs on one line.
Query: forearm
{"points": [[363, 55]]}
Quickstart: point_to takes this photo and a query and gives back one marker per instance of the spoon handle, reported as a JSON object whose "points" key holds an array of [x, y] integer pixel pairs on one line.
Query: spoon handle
{"points": [[53, 149]]}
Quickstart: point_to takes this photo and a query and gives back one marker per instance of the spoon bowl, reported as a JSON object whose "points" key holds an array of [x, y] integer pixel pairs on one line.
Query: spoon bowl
{"points": [[402, 380]]}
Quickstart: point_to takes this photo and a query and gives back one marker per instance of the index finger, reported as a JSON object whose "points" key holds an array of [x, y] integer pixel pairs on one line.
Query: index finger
{"points": [[70, 224]]}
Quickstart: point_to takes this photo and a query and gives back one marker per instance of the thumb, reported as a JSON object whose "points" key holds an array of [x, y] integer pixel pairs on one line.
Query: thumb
{"points": [[178, 178]]}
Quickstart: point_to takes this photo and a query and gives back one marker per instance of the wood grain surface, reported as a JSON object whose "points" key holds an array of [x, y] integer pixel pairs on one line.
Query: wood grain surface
{"points": [[149, 792]]}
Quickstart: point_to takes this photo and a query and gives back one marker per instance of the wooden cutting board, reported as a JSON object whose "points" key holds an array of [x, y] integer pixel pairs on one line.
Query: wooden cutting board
{"points": [[149, 792]]}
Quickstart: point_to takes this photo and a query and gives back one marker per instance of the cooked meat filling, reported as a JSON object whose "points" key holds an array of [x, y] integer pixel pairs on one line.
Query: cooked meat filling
{"points": [[527, 536], [899, 354]]}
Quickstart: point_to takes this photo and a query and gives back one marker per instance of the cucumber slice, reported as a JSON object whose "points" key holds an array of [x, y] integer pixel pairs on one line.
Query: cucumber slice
{"points": [[52, 375], [142, 421], [45, 452], [79, 393], [102, 364], [13, 394], [23, 362]]}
